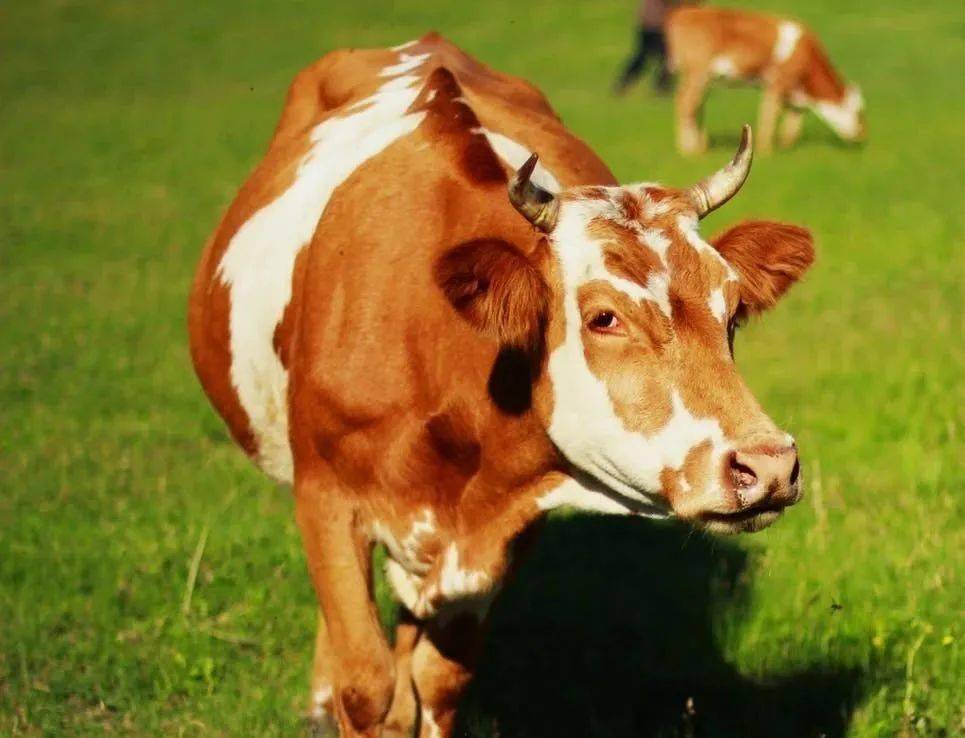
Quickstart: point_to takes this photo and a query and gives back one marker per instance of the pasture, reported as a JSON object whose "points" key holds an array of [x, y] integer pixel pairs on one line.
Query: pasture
{"points": [[152, 582]]}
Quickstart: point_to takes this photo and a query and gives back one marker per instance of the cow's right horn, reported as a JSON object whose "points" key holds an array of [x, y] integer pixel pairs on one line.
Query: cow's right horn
{"points": [[540, 207], [712, 192]]}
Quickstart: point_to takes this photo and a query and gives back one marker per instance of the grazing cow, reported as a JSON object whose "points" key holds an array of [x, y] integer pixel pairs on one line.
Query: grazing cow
{"points": [[782, 55], [433, 365]]}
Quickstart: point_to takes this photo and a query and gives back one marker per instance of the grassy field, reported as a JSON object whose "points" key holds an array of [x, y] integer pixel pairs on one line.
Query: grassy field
{"points": [[126, 127]]}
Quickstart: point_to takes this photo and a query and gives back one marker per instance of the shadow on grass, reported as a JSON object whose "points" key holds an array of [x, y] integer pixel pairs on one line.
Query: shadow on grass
{"points": [[608, 631]]}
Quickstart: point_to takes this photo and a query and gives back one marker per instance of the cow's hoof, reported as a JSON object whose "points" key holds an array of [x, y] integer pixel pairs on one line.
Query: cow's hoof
{"points": [[321, 726]]}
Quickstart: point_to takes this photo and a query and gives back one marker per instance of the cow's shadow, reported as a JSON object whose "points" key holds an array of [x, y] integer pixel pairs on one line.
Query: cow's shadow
{"points": [[609, 630]]}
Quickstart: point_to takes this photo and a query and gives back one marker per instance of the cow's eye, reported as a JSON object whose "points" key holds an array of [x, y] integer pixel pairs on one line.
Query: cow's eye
{"points": [[605, 322]]}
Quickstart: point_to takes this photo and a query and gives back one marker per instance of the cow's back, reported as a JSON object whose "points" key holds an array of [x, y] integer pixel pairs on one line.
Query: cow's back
{"points": [[342, 116], [752, 43]]}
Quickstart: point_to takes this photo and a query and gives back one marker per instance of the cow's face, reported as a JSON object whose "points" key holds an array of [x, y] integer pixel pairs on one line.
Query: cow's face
{"points": [[845, 116], [635, 316], [640, 389]]}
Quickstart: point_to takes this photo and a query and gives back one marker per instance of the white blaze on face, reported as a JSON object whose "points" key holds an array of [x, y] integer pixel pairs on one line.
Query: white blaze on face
{"points": [[258, 263], [585, 425], [788, 34]]}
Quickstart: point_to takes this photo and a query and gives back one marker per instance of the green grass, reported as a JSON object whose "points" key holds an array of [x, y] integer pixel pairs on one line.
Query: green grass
{"points": [[126, 128]]}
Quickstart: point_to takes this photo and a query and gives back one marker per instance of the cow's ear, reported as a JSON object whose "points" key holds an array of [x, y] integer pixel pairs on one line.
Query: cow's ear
{"points": [[497, 289], [769, 257]]}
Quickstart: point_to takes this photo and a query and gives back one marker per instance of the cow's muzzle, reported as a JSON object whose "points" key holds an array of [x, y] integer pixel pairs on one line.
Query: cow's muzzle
{"points": [[762, 480]]}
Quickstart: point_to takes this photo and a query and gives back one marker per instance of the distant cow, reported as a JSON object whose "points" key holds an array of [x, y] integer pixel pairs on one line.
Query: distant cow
{"points": [[434, 364], [782, 55]]}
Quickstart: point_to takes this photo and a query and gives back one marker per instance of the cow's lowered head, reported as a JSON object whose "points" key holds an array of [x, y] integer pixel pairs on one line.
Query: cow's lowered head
{"points": [[635, 315], [843, 114]]}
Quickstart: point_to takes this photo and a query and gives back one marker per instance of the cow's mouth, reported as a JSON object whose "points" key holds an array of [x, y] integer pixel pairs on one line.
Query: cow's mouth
{"points": [[742, 521]]}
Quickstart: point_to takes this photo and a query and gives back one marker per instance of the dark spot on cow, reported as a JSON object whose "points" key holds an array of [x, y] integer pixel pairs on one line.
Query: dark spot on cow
{"points": [[511, 380]]}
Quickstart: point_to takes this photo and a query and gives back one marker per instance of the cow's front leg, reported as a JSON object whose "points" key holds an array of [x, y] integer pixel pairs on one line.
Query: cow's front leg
{"points": [[689, 101], [791, 127], [338, 552], [442, 666], [401, 719], [321, 712], [772, 102]]}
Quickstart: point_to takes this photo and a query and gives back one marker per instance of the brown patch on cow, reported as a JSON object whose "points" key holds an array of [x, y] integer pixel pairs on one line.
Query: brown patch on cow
{"points": [[209, 313], [696, 467], [451, 122], [686, 487], [659, 194], [630, 204], [623, 253], [670, 485], [636, 376], [818, 77]]}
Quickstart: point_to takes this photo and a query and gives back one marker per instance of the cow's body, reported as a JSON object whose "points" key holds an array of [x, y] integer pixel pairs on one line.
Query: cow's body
{"points": [[335, 325], [782, 55]]}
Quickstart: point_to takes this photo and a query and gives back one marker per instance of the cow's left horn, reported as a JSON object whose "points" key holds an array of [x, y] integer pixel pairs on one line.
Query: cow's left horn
{"points": [[540, 207], [710, 193]]}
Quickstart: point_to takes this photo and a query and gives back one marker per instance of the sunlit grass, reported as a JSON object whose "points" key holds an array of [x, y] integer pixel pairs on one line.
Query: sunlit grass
{"points": [[126, 129]]}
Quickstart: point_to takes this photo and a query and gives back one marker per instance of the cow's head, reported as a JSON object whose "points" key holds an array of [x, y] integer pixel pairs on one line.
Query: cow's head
{"points": [[844, 115], [635, 315]]}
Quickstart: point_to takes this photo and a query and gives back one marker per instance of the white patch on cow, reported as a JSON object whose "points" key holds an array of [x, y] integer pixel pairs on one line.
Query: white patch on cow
{"points": [[413, 544], [800, 99], [472, 589], [788, 34], [429, 721], [657, 242], [407, 62], [455, 581], [321, 703], [844, 117], [658, 285], [515, 155], [723, 66], [258, 263], [410, 551], [585, 425], [406, 586], [573, 494], [717, 304]]}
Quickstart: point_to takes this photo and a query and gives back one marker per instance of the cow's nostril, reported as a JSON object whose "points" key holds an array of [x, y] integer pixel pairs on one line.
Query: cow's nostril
{"points": [[796, 471], [742, 474]]}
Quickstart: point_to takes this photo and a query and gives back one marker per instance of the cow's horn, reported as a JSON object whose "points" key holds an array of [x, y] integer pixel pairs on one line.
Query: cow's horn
{"points": [[540, 207], [712, 192]]}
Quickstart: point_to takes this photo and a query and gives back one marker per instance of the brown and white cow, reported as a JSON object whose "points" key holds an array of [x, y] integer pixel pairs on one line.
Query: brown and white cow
{"points": [[434, 365], [783, 55]]}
